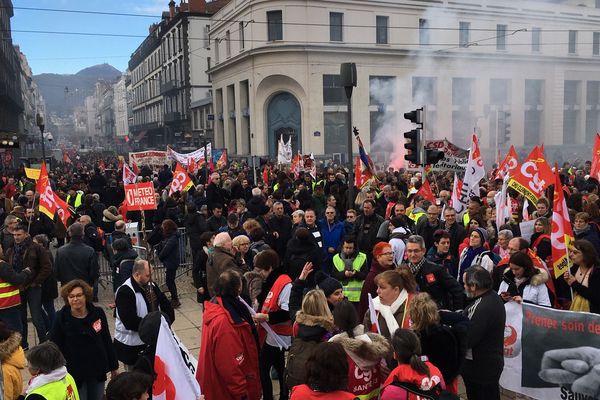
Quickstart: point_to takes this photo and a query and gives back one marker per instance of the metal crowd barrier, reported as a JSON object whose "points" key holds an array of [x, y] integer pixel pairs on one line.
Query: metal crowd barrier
{"points": [[149, 253]]}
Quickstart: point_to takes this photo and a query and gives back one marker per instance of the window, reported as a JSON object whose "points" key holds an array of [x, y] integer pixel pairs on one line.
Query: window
{"points": [[335, 26], [500, 92], [500, 37], [534, 110], [463, 34], [241, 30], [424, 90], [423, 32], [572, 42], [572, 112], [333, 92], [382, 29], [462, 113], [228, 44], [216, 50], [382, 90], [335, 132], [596, 44], [536, 35], [592, 115], [275, 25]]}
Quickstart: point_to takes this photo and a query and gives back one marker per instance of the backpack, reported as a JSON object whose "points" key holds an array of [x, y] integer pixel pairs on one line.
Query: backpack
{"points": [[295, 373], [414, 392]]}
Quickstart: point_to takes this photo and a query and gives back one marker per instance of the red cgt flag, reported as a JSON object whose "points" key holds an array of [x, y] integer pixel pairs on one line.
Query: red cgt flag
{"points": [[562, 234], [62, 209], [181, 180], [426, 191], [47, 204], [509, 165], [533, 176]]}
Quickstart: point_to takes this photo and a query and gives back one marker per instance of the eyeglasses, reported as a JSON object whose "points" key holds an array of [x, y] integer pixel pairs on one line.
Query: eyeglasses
{"points": [[388, 253]]}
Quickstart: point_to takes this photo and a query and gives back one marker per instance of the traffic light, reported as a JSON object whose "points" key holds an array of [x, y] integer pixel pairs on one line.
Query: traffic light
{"points": [[507, 126], [413, 139], [433, 156]]}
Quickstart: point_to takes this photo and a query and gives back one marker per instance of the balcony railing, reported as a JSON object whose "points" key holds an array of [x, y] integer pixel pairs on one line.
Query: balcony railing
{"points": [[169, 86], [172, 117]]}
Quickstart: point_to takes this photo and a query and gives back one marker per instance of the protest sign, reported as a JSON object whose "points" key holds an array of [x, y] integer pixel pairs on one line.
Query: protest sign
{"points": [[150, 158], [140, 196], [551, 354], [455, 158]]}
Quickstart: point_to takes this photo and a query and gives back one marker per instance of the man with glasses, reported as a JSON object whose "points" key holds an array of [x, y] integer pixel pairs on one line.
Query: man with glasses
{"points": [[215, 194], [349, 221], [426, 227], [456, 231], [433, 278]]}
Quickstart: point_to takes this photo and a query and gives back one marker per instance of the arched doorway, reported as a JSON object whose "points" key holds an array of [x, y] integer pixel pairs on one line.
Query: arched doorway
{"points": [[284, 119]]}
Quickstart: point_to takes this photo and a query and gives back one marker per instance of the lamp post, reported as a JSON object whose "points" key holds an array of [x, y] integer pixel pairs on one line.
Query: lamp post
{"points": [[348, 81], [40, 123]]}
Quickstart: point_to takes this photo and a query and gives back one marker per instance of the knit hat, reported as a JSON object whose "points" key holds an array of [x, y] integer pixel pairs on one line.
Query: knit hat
{"points": [[150, 326], [326, 283], [483, 234]]}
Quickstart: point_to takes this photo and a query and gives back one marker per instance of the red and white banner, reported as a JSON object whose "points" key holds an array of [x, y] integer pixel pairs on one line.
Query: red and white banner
{"points": [[175, 368], [533, 177], [129, 176], [140, 196], [47, 205], [455, 158], [184, 159], [562, 234], [150, 158]]}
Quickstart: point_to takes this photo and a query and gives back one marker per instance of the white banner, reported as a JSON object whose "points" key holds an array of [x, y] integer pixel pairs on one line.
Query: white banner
{"points": [[175, 368], [551, 354], [150, 158], [183, 159], [455, 158]]}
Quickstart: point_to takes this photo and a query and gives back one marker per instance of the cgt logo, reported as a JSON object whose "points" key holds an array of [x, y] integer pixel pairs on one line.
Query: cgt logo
{"points": [[512, 346], [163, 386]]}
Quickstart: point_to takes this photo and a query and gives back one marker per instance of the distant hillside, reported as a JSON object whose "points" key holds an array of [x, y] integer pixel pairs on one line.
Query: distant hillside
{"points": [[63, 93]]}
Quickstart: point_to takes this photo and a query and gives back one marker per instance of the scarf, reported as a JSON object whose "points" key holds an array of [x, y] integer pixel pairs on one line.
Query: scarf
{"points": [[240, 314], [581, 231], [414, 268], [387, 312], [44, 379], [469, 257], [348, 261], [20, 249]]}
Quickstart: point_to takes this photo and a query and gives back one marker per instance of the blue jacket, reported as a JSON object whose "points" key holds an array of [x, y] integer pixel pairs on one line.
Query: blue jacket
{"points": [[332, 236]]}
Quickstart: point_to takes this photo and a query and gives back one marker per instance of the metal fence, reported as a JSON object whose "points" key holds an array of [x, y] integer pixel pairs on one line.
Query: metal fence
{"points": [[149, 253]]}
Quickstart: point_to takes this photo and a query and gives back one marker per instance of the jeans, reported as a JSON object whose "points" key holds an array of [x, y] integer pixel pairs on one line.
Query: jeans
{"points": [[170, 278], [12, 317], [48, 314], [33, 298], [91, 390], [272, 356]]}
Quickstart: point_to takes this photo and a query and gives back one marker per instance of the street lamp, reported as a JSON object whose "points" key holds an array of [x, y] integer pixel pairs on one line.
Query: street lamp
{"points": [[348, 81], [40, 123]]}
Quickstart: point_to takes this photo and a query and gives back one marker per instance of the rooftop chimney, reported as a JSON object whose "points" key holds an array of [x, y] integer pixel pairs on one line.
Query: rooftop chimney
{"points": [[197, 6], [171, 9]]}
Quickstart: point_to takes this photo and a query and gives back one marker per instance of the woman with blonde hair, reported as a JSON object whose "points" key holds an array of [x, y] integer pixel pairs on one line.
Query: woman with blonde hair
{"points": [[442, 335], [313, 324], [395, 290]]}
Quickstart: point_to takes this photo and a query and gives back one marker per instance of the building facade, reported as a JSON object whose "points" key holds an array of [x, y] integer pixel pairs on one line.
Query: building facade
{"points": [[33, 104], [514, 73], [168, 74], [11, 100]]}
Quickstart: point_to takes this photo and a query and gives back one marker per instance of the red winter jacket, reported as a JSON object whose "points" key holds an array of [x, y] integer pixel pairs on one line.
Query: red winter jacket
{"points": [[404, 373], [228, 361], [303, 392]]}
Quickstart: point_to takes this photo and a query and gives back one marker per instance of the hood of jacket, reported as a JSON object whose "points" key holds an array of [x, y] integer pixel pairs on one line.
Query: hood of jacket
{"points": [[110, 217], [213, 311], [129, 254], [538, 279], [9, 346], [256, 205], [366, 350], [314, 321]]}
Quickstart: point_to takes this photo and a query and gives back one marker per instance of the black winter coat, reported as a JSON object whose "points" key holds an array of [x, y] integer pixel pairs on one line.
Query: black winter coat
{"points": [[367, 239], [440, 285], [169, 251], [76, 260], [85, 343]]}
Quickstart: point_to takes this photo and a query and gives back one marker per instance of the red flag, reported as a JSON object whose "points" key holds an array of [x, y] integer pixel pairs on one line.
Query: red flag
{"points": [[510, 163], [595, 171], [123, 210], [62, 209], [192, 165], [101, 165], [533, 176], [66, 158], [47, 204], [562, 233], [358, 181], [135, 168], [181, 181], [297, 165], [426, 191]]}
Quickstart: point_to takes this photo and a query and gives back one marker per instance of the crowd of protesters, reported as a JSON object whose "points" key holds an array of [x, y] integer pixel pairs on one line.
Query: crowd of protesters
{"points": [[389, 296]]}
